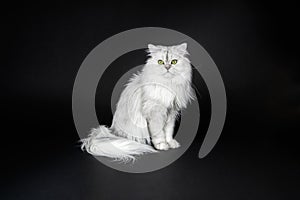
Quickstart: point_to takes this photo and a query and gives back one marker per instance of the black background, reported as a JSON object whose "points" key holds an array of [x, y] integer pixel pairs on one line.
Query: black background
{"points": [[255, 47]]}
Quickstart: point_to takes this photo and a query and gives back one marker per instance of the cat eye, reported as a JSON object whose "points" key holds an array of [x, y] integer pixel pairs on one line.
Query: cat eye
{"points": [[173, 62], [160, 62]]}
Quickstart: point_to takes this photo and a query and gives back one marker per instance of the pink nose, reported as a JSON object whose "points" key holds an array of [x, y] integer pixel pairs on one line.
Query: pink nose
{"points": [[167, 66]]}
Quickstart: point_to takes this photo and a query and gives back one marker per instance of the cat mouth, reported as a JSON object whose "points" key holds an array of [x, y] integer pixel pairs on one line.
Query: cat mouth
{"points": [[168, 73]]}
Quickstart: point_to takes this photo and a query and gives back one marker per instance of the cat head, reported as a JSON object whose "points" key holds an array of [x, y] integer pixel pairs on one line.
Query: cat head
{"points": [[168, 61]]}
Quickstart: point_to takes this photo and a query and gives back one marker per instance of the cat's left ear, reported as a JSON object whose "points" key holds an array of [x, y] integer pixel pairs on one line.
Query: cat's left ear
{"points": [[182, 47]]}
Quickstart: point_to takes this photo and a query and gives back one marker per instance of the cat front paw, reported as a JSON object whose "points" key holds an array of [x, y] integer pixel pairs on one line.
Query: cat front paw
{"points": [[173, 144], [161, 146]]}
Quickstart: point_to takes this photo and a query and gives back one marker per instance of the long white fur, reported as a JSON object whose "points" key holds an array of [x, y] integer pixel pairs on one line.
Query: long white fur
{"points": [[102, 143], [148, 93]]}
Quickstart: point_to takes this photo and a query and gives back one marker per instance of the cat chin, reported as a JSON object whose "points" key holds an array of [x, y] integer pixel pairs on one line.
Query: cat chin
{"points": [[168, 75]]}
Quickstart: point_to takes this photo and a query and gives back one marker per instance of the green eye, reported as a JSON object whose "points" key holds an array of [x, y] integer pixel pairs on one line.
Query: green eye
{"points": [[173, 62], [160, 62]]}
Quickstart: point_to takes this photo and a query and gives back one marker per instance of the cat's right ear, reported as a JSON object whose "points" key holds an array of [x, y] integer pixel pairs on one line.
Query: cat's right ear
{"points": [[152, 48]]}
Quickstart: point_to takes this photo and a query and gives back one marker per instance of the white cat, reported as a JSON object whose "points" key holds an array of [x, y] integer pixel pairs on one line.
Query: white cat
{"points": [[147, 109]]}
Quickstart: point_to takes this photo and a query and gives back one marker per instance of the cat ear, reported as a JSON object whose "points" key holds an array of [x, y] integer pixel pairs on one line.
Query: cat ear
{"points": [[152, 48], [181, 47]]}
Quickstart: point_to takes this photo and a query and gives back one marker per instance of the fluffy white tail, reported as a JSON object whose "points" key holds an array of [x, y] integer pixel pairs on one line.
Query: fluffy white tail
{"points": [[101, 142]]}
